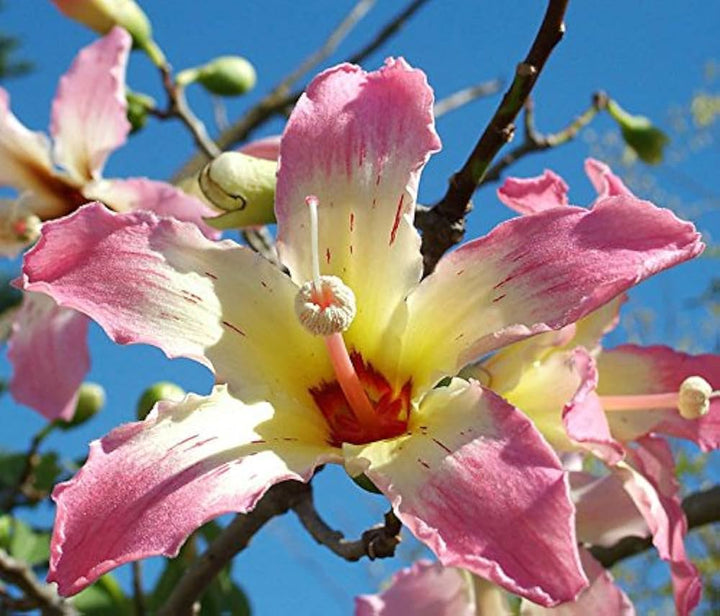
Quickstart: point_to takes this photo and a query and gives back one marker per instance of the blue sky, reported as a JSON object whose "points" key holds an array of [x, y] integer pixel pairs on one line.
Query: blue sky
{"points": [[648, 55]]}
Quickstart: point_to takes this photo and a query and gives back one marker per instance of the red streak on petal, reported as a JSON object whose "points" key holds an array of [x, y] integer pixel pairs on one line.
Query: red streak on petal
{"points": [[396, 222], [352, 221], [234, 328], [209, 275], [499, 297]]}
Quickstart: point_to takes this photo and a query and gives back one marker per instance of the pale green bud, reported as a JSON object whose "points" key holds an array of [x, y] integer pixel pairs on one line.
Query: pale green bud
{"points": [[91, 399], [224, 76], [137, 109], [242, 186], [163, 390], [639, 134]]}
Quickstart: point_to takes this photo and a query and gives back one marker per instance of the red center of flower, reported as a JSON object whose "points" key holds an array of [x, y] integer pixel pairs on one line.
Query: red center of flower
{"points": [[391, 408]]}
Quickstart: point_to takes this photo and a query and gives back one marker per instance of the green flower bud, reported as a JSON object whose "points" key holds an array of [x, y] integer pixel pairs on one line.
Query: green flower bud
{"points": [[366, 484], [639, 134], [243, 187], [137, 109], [91, 399], [224, 76], [163, 390]]}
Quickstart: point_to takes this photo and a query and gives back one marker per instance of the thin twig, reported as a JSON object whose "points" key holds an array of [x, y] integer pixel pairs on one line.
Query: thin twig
{"points": [[537, 142], [24, 481], [377, 542], [465, 96], [443, 226], [138, 593], [232, 540], [700, 508], [277, 101], [43, 596]]}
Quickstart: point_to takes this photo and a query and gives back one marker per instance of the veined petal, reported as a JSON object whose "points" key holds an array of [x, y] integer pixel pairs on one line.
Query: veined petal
{"points": [[88, 113], [159, 281], [49, 355], [267, 148], [358, 141], [649, 479], [635, 370], [605, 512], [146, 486], [583, 416], [533, 195], [158, 197], [601, 598], [605, 182], [477, 483], [425, 589], [536, 273]]}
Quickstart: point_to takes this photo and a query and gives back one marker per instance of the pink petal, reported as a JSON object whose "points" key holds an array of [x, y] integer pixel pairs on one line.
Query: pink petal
{"points": [[158, 197], [533, 195], [583, 416], [636, 370], [267, 148], [605, 512], [146, 486], [602, 598], [88, 113], [49, 355], [425, 589], [606, 183], [160, 282], [652, 485], [536, 273], [476, 483], [358, 141]]}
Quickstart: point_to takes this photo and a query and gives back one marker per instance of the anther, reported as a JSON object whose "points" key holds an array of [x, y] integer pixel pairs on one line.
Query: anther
{"points": [[694, 397], [325, 307]]}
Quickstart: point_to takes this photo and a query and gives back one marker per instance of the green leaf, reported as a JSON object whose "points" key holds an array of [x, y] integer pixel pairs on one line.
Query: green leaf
{"points": [[23, 542], [104, 598]]}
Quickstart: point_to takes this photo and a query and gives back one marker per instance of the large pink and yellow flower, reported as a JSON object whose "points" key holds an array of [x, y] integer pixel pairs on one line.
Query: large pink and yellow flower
{"points": [[340, 360], [47, 344]]}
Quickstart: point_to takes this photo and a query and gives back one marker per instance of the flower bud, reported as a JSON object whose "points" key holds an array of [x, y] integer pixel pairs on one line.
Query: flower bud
{"points": [[366, 484], [639, 134], [163, 390], [241, 185], [102, 15], [224, 76], [91, 399], [137, 109]]}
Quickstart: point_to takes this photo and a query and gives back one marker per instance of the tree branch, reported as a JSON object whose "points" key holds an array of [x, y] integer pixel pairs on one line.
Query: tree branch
{"points": [[465, 96], [278, 99], [377, 542], [700, 508], [443, 226], [233, 539], [42, 596]]}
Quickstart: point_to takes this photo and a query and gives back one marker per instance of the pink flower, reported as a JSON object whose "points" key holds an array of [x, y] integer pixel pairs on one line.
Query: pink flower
{"points": [[465, 471], [47, 347]]}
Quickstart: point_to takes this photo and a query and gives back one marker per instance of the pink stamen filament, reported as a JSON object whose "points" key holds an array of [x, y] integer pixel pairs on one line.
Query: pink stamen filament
{"points": [[349, 381], [640, 402]]}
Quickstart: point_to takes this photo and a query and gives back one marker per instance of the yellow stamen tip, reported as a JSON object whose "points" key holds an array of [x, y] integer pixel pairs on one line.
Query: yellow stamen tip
{"points": [[326, 310], [694, 397]]}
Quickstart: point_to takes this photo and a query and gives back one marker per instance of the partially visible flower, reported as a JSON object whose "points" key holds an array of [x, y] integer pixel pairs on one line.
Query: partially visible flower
{"points": [[48, 348], [342, 367]]}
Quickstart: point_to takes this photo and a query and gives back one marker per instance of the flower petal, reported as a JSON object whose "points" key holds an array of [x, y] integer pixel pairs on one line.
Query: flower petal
{"points": [[635, 370], [49, 355], [606, 183], [650, 481], [536, 273], [88, 113], [533, 195], [583, 416], [158, 197], [477, 483], [146, 486], [602, 598], [605, 512], [267, 148], [358, 141], [159, 281], [425, 589]]}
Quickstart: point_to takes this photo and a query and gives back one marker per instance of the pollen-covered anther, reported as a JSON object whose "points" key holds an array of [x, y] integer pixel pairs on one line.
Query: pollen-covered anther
{"points": [[694, 397], [325, 308]]}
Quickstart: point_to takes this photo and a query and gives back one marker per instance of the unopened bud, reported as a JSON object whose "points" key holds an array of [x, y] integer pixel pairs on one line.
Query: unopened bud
{"points": [[241, 185], [694, 397], [163, 390], [138, 106], [224, 76], [639, 134], [91, 399]]}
